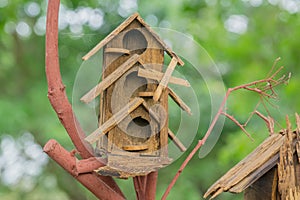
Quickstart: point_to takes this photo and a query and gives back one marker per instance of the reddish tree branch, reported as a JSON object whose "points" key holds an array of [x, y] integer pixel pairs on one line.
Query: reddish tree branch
{"points": [[60, 103], [56, 90], [145, 186], [91, 181]]}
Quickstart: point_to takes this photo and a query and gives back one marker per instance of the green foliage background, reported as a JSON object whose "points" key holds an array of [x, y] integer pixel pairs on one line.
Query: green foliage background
{"points": [[273, 29]]}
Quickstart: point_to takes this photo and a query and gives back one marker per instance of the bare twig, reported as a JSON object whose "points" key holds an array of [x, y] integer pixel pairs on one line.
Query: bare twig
{"points": [[238, 124], [268, 120]]}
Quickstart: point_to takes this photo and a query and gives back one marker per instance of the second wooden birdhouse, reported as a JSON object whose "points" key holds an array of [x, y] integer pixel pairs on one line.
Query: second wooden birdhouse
{"points": [[133, 123]]}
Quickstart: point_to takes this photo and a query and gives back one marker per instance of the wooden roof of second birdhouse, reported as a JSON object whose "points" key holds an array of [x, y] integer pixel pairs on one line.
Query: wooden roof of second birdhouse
{"points": [[252, 167], [121, 27]]}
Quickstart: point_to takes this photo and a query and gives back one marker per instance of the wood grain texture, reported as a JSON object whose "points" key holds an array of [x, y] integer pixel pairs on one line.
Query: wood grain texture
{"points": [[271, 171], [125, 25], [114, 120], [117, 50], [165, 79], [179, 101], [178, 143], [156, 75], [110, 36], [109, 80], [248, 167]]}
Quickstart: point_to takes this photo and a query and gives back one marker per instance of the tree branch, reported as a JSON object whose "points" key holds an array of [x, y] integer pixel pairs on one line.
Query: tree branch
{"points": [[89, 180], [60, 103]]}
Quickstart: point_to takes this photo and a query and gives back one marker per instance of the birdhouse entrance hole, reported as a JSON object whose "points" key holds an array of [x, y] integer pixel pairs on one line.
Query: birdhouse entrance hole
{"points": [[135, 41], [134, 84], [139, 131]]}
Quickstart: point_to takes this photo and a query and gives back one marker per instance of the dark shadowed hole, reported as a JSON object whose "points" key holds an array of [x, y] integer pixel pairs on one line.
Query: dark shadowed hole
{"points": [[139, 128]]}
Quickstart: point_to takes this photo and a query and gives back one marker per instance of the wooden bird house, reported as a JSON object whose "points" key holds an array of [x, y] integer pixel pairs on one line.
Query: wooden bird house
{"points": [[270, 172], [133, 123]]}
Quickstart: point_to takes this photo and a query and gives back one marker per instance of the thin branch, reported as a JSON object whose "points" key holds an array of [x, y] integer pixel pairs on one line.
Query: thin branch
{"points": [[251, 115], [238, 124], [268, 120], [273, 66]]}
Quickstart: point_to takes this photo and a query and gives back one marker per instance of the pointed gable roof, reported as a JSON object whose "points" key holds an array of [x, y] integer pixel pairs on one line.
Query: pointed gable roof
{"points": [[121, 27]]}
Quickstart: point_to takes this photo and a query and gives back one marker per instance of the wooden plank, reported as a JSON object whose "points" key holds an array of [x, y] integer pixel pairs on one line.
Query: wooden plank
{"points": [[169, 51], [254, 176], [262, 154], [297, 146], [146, 94], [117, 50], [121, 27], [109, 80], [156, 75], [164, 130], [110, 36], [165, 79], [178, 143], [114, 120], [179, 101], [139, 147]]}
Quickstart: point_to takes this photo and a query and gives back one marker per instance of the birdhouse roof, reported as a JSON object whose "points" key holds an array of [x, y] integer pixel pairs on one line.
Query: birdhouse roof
{"points": [[121, 27], [251, 168]]}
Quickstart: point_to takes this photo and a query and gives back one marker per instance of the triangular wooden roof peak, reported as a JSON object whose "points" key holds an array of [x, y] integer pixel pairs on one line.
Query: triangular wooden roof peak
{"points": [[253, 166], [121, 27]]}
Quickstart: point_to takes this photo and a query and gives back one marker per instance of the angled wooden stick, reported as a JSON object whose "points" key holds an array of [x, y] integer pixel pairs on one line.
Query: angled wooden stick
{"points": [[178, 143], [114, 120], [165, 79], [109, 80], [179, 101], [156, 75], [117, 50], [109, 37]]}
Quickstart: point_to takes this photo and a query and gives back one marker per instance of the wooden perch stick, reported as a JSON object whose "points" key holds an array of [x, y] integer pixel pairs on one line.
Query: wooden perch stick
{"points": [[117, 50], [179, 101], [165, 79], [178, 143], [114, 120], [156, 75], [98, 89]]}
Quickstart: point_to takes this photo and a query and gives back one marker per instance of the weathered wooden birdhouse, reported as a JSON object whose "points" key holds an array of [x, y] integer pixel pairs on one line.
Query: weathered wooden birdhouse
{"points": [[270, 172], [133, 123]]}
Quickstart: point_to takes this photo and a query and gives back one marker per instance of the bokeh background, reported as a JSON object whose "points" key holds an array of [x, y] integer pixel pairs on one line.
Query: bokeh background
{"points": [[243, 37]]}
